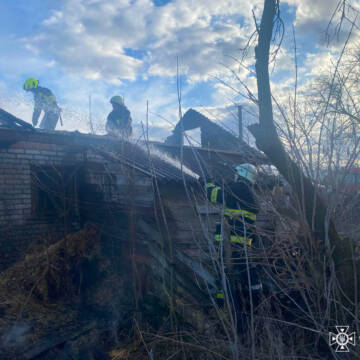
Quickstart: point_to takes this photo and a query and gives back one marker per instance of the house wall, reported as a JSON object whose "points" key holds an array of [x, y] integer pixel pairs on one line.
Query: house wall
{"points": [[20, 226], [183, 245]]}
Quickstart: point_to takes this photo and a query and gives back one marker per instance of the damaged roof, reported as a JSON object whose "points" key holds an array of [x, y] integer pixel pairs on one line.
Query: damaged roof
{"points": [[213, 136], [149, 161], [8, 120], [153, 159]]}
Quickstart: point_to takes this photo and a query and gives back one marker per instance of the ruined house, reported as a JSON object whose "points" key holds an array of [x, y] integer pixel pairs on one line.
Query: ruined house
{"points": [[148, 220]]}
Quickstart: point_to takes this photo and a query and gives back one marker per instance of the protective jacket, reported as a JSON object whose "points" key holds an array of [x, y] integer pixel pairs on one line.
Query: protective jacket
{"points": [[45, 101], [119, 121], [240, 210]]}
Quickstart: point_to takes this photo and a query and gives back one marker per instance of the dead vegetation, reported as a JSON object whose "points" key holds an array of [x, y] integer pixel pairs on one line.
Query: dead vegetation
{"points": [[92, 302], [48, 290], [52, 273]]}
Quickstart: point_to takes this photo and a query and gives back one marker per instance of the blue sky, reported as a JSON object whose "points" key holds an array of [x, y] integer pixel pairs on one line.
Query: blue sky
{"points": [[129, 47]]}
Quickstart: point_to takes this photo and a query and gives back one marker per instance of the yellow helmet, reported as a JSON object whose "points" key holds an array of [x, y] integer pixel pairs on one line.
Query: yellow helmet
{"points": [[31, 83], [117, 100]]}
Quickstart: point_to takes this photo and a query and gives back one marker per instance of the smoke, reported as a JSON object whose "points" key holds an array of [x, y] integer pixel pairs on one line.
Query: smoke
{"points": [[170, 160]]}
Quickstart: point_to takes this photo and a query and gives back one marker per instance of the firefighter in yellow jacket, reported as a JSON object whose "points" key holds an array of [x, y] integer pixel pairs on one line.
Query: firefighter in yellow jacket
{"points": [[240, 211], [44, 100]]}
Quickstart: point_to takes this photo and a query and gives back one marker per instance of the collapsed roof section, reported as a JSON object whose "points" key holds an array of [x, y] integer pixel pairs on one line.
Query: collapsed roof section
{"points": [[219, 153], [8, 120], [213, 136]]}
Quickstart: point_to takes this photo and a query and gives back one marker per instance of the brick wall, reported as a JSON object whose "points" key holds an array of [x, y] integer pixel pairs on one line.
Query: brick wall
{"points": [[20, 225]]}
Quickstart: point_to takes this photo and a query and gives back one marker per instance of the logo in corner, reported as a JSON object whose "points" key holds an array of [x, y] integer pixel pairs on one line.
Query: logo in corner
{"points": [[342, 339]]}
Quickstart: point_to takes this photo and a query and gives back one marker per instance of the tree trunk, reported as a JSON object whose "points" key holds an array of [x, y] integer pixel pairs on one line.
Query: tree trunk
{"points": [[269, 142]]}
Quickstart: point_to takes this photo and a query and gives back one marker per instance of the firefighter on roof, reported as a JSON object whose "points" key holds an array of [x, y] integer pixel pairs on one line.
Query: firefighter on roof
{"points": [[119, 120], [44, 100]]}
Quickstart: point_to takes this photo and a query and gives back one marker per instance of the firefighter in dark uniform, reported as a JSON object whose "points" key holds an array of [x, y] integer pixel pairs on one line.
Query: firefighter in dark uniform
{"points": [[239, 219], [44, 100], [119, 120]]}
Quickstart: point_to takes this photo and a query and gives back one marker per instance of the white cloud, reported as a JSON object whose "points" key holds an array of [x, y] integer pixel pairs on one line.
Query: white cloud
{"points": [[313, 16], [54, 19], [94, 46], [319, 63], [98, 39], [311, 11]]}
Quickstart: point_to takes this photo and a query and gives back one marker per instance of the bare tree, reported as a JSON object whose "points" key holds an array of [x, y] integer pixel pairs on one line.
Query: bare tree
{"points": [[267, 140]]}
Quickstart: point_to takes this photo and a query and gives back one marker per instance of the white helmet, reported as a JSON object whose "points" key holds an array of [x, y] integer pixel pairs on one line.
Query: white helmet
{"points": [[247, 171]]}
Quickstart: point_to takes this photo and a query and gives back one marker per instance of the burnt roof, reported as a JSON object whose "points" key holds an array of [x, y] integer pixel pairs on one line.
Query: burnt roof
{"points": [[212, 135], [214, 163], [8, 120], [153, 159], [149, 161]]}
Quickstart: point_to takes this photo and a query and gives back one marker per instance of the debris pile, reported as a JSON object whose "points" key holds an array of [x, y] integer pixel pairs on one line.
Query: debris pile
{"points": [[58, 295]]}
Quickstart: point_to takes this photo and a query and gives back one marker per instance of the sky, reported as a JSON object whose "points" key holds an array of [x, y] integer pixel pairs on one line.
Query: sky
{"points": [[94, 49]]}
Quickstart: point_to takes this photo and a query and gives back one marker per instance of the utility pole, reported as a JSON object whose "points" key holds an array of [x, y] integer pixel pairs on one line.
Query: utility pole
{"points": [[90, 117], [240, 118], [147, 120]]}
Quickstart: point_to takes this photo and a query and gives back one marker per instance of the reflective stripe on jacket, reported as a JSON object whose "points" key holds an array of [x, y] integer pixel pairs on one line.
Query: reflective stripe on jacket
{"points": [[235, 239], [240, 240], [218, 237], [220, 295], [212, 192], [240, 213]]}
